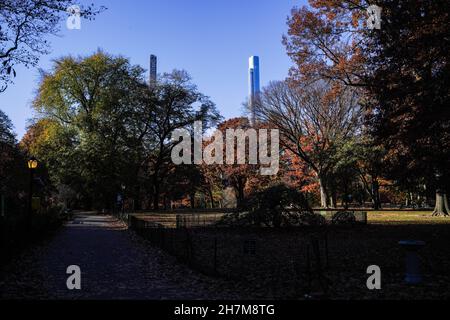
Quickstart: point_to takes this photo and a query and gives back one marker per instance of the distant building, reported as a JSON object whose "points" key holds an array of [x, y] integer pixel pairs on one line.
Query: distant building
{"points": [[254, 86], [153, 69]]}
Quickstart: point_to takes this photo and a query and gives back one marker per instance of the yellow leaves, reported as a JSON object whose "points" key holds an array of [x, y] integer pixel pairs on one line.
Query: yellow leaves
{"points": [[39, 135]]}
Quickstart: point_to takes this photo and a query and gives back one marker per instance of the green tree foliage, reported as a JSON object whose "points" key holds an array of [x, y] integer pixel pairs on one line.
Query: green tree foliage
{"points": [[101, 127], [175, 103], [359, 161], [7, 151], [7, 135], [13, 173], [85, 106]]}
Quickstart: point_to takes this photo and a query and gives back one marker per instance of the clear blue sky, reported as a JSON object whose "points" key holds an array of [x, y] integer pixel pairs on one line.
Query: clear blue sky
{"points": [[211, 39]]}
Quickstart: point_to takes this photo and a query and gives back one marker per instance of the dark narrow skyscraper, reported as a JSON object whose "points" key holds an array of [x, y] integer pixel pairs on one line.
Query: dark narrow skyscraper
{"points": [[254, 86], [153, 69]]}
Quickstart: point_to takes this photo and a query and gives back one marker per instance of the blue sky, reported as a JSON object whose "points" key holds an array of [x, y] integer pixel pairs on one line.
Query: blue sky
{"points": [[211, 39]]}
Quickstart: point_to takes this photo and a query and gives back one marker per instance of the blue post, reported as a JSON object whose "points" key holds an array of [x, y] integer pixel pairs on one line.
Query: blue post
{"points": [[413, 274]]}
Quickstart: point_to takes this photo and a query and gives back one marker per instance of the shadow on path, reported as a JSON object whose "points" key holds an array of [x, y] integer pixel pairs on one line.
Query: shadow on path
{"points": [[115, 264]]}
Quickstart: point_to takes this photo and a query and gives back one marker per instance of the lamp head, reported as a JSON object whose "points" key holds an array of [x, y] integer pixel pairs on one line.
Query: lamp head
{"points": [[33, 163]]}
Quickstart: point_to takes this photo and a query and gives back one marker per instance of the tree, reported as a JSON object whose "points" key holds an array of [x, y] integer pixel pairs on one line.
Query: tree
{"points": [[314, 121], [371, 162], [326, 41], [24, 26], [86, 107], [410, 112], [212, 184], [344, 174], [6, 129], [13, 172], [403, 69], [101, 127], [7, 147], [360, 159], [176, 104], [237, 175]]}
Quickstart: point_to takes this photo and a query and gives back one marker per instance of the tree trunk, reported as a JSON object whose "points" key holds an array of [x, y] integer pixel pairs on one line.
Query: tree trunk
{"points": [[240, 198], [323, 194], [239, 188], [211, 198], [155, 194], [376, 195], [345, 202], [442, 207], [192, 199], [332, 202], [334, 199], [165, 202], [345, 198], [425, 196], [137, 199]]}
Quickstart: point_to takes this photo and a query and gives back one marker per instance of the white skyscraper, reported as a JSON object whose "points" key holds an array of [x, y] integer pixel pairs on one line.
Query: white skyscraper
{"points": [[254, 86]]}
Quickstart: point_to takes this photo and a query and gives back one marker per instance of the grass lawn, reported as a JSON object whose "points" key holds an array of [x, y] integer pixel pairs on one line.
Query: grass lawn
{"points": [[405, 217], [374, 217]]}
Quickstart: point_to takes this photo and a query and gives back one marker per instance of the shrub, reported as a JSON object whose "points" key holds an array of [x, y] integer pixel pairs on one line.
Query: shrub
{"points": [[16, 235], [275, 206], [344, 217]]}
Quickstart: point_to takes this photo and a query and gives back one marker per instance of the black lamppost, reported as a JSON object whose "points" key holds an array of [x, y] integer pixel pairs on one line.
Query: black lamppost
{"points": [[32, 166]]}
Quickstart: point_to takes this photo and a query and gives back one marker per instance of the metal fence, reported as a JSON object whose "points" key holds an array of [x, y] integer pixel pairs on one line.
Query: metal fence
{"points": [[197, 220], [200, 220], [244, 253], [341, 216]]}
